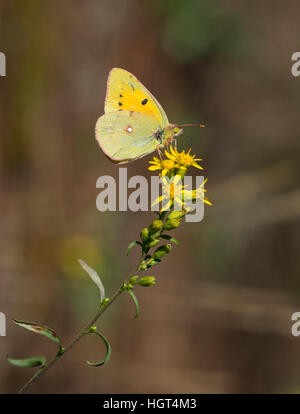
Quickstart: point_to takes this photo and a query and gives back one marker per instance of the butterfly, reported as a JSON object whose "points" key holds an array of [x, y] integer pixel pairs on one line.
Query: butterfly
{"points": [[134, 123]]}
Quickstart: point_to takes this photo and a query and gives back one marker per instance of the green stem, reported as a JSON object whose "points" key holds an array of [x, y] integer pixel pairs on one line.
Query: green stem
{"points": [[80, 335]]}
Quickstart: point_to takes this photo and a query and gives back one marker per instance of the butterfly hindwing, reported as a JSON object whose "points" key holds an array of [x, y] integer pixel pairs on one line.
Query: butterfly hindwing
{"points": [[126, 93], [126, 135]]}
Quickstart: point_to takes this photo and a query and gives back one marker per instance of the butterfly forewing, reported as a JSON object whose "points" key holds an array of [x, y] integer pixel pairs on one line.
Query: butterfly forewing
{"points": [[126, 93]]}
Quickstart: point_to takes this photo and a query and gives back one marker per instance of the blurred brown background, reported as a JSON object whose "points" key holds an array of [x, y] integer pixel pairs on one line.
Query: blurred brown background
{"points": [[218, 319]]}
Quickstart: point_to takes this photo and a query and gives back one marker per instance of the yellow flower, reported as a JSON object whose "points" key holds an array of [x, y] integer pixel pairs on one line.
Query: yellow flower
{"points": [[198, 194], [175, 195], [164, 165], [180, 160], [183, 159], [172, 192]]}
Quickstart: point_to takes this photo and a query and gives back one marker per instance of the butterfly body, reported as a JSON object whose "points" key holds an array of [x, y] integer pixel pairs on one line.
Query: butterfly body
{"points": [[134, 123]]}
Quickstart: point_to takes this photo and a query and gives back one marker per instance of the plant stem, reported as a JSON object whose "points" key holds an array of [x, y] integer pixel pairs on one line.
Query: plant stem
{"points": [[77, 338]]}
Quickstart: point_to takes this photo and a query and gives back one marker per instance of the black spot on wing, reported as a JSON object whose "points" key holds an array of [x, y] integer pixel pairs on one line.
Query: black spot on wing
{"points": [[144, 101], [120, 104]]}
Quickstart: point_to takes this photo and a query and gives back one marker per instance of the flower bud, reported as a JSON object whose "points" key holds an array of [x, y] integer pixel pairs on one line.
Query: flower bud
{"points": [[181, 171], [147, 281], [133, 279], [171, 224], [93, 329], [143, 266], [176, 214], [104, 302], [151, 262], [162, 251], [155, 226], [144, 235], [153, 243]]}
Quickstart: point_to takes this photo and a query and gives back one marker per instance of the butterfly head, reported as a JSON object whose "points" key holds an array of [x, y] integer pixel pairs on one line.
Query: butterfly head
{"points": [[173, 130], [177, 130]]}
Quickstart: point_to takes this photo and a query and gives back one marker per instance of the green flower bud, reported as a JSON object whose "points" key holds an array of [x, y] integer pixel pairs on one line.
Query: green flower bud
{"points": [[153, 243], [129, 286], [143, 266], [162, 251], [133, 279], [151, 262], [144, 235], [147, 281], [155, 226], [104, 302], [176, 214], [171, 224], [181, 171], [93, 329]]}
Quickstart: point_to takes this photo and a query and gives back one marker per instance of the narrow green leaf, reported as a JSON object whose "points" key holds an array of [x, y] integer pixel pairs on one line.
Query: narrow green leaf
{"points": [[172, 239], [108, 350], [94, 276], [40, 329], [131, 245], [137, 306], [28, 362]]}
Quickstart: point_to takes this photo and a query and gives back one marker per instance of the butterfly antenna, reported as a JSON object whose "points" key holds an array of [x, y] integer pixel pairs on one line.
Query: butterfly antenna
{"points": [[191, 125]]}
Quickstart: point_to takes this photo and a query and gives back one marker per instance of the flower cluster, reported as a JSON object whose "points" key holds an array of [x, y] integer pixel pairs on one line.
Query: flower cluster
{"points": [[175, 198], [174, 169], [176, 162]]}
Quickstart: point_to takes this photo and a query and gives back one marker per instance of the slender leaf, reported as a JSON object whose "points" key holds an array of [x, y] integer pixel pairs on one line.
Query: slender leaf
{"points": [[137, 306], [95, 278], [28, 362], [172, 239], [131, 245], [108, 350], [42, 330]]}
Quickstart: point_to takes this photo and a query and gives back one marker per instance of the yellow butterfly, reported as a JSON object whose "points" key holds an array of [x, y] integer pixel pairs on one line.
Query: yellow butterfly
{"points": [[134, 123]]}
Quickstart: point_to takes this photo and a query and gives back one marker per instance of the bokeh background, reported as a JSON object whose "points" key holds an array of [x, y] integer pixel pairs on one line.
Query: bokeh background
{"points": [[219, 318]]}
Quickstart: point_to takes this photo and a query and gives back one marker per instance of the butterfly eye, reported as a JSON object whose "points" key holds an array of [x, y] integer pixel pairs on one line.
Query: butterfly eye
{"points": [[158, 136]]}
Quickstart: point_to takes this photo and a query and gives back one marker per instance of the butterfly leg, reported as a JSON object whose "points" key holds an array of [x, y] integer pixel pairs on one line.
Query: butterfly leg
{"points": [[170, 140], [159, 152]]}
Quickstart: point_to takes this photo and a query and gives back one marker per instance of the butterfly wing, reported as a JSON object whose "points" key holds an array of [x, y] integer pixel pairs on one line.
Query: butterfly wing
{"points": [[126, 92], [125, 135]]}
